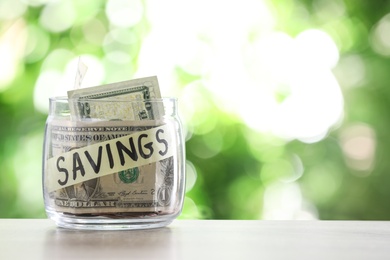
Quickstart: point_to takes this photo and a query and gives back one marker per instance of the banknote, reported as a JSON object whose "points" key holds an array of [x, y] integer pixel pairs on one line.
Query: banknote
{"points": [[147, 188], [127, 100], [104, 113]]}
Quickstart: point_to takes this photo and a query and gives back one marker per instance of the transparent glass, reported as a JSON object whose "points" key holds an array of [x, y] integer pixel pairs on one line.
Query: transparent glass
{"points": [[111, 164]]}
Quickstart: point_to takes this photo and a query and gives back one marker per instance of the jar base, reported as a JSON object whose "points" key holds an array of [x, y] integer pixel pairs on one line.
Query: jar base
{"points": [[105, 223]]}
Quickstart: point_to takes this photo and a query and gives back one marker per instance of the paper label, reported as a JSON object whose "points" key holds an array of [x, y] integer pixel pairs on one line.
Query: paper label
{"points": [[108, 157]]}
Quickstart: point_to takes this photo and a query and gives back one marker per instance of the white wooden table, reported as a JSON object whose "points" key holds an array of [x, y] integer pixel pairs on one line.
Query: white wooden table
{"points": [[200, 239]]}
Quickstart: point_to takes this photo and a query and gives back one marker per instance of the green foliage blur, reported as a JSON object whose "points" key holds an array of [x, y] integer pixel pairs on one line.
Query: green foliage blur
{"points": [[235, 169]]}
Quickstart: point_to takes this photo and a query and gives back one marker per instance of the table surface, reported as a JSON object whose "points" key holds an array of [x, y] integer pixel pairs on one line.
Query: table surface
{"points": [[200, 239]]}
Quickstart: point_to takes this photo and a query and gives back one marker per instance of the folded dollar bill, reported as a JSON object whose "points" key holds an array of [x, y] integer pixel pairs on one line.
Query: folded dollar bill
{"points": [[127, 100]]}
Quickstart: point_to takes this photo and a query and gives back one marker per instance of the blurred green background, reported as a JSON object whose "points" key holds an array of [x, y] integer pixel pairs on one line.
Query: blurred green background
{"points": [[285, 103]]}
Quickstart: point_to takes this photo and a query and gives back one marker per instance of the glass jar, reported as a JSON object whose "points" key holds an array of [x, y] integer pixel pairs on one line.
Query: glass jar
{"points": [[112, 164]]}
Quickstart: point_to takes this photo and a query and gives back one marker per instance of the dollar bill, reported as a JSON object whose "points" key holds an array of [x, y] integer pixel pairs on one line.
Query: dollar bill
{"points": [[104, 113], [131, 100], [147, 188]]}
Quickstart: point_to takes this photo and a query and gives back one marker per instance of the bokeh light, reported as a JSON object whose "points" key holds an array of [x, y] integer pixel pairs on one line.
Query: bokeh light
{"points": [[12, 9], [359, 144], [380, 38], [124, 13], [12, 44], [57, 16]]}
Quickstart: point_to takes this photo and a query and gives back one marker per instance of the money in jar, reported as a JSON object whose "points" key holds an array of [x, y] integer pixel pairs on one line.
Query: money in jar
{"points": [[114, 158]]}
